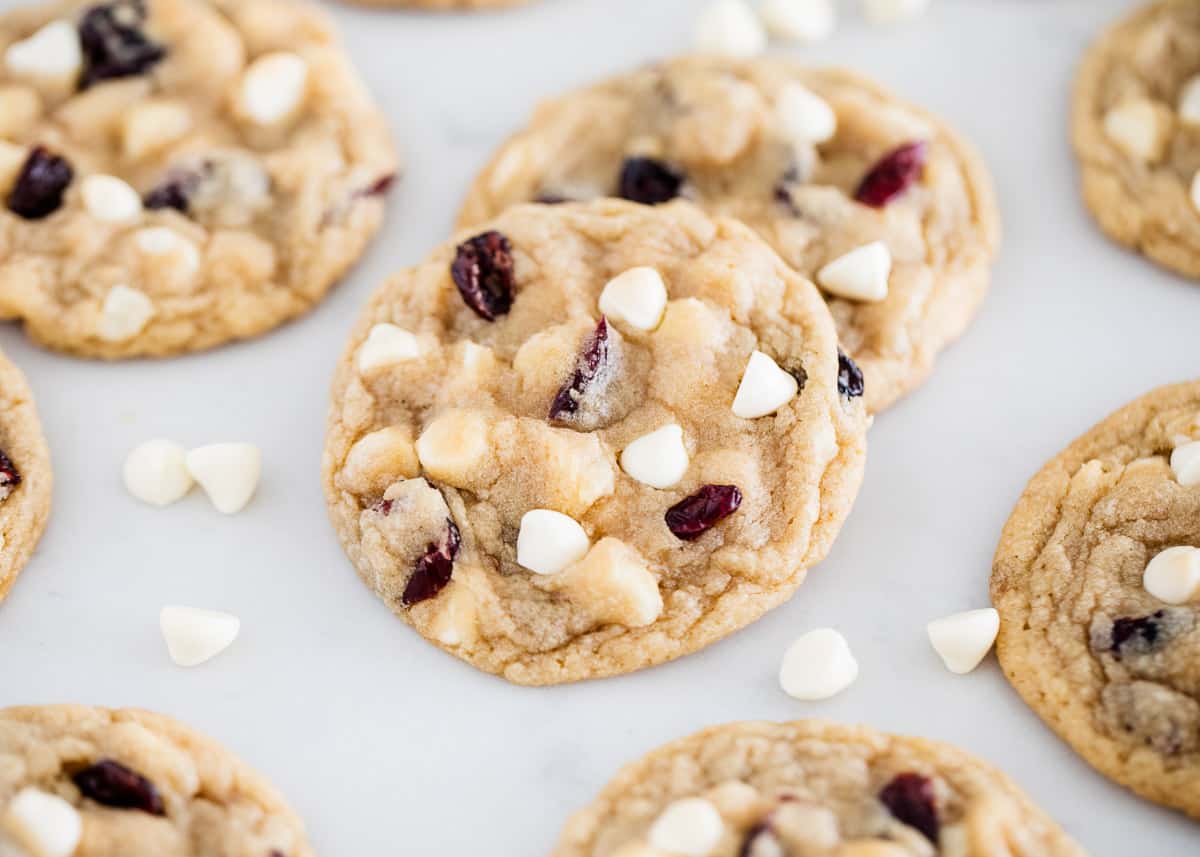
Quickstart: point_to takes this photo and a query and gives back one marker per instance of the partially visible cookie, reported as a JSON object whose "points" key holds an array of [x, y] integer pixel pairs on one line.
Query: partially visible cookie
{"points": [[820, 162], [580, 440], [810, 787], [1100, 629], [443, 5], [1136, 127], [26, 479], [142, 784], [175, 174]]}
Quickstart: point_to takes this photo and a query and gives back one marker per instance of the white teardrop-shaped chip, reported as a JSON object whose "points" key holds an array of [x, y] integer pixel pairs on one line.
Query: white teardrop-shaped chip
{"points": [[804, 115], [964, 639], [1173, 575], [274, 87], [110, 199], [637, 297], [156, 472], [43, 824], [658, 459], [549, 541], [228, 473], [1185, 463], [194, 636], [818, 665], [802, 21], [765, 388], [1189, 101], [386, 344], [690, 827], [860, 275], [53, 51]]}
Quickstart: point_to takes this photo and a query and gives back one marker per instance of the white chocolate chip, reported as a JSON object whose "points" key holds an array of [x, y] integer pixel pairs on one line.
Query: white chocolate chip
{"points": [[658, 459], [52, 52], [453, 446], [893, 11], [690, 827], [801, 21], [194, 636], [765, 388], [1189, 101], [818, 665], [164, 241], [228, 473], [729, 28], [805, 116], [1185, 463], [12, 160], [637, 297], [273, 87], [156, 472], [964, 639], [380, 458], [43, 824], [860, 275], [151, 126], [386, 345], [110, 199], [614, 585], [1173, 576], [124, 313], [549, 541], [1138, 128]]}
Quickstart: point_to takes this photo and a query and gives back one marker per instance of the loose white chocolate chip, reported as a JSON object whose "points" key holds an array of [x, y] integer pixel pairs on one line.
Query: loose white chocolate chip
{"points": [[43, 824], [638, 297], [1189, 101], [110, 199], [690, 827], [818, 665], [273, 87], [228, 473], [963, 640], [453, 446], [1185, 463], [12, 160], [729, 28], [765, 388], [164, 241], [386, 345], [804, 115], [194, 636], [1173, 576], [893, 11], [124, 313], [860, 275], [152, 126], [156, 472], [52, 52], [658, 459], [801, 21], [1138, 128], [550, 542], [614, 585]]}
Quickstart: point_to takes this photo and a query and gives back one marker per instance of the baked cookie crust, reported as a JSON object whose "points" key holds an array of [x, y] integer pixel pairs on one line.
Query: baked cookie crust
{"points": [[26, 478]]}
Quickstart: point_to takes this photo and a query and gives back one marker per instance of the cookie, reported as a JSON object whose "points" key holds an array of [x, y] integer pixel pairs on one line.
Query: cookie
{"points": [[26, 479], [145, 786], [1099, 630], [810, 787], [175, 174], [444, 5], [584, 439], [877, 201], [1136, 129]]}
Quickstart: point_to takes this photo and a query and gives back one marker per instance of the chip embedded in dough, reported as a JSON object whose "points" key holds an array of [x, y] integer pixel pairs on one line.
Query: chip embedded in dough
{"points": [[26, 479], [521, 397]]}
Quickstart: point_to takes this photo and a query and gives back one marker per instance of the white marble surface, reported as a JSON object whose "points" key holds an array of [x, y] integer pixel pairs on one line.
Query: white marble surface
{"points": [[388, 746]]}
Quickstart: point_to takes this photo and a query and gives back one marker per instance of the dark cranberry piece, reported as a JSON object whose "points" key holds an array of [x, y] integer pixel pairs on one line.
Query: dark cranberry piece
{"points": [[550, 199], [434, 569], [10, 477], [483, 271], [112, 784], [1141, 632], [173, 192], [38, 191], [381, 186], [911, 800], [893, 174], [113, 42], [593, 361], [648, 181], [691, 517], [384, 507], [850, 377]]}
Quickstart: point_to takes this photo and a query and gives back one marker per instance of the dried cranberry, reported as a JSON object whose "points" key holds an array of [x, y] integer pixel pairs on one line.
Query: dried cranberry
{"points": [[39, 188], [380, 186], [911, 800], [434, 569], [112, 784], [550, 199], [483, 271], [593, 362], [1140, 632], [10, 477], [850, 377], [384, 507], [113, 42], [691, 517], [892, 175], [648, 181]]}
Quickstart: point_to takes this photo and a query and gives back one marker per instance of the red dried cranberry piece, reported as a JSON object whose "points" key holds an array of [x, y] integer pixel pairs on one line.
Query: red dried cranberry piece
{"points": [[380, 186], [39, 188], [893, 174], [483, 271], [648, 181], [593, 360], [113, 42], [112, 784], [174, 191], [691, 517], [850, 377], [911, 800], [10, 477], [434, 569]]}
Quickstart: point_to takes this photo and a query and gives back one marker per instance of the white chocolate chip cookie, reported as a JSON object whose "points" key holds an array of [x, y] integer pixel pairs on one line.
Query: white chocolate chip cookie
{"points": [[492, 480], [25, 476], [175, 174]]}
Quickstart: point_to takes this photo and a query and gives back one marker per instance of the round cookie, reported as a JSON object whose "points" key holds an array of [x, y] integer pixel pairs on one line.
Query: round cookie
{"points": [[26, 479], [175, 174], [1112, 668], [810, 787], [144, 784], [1136, 129], [819, 162], [448, 427]]}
